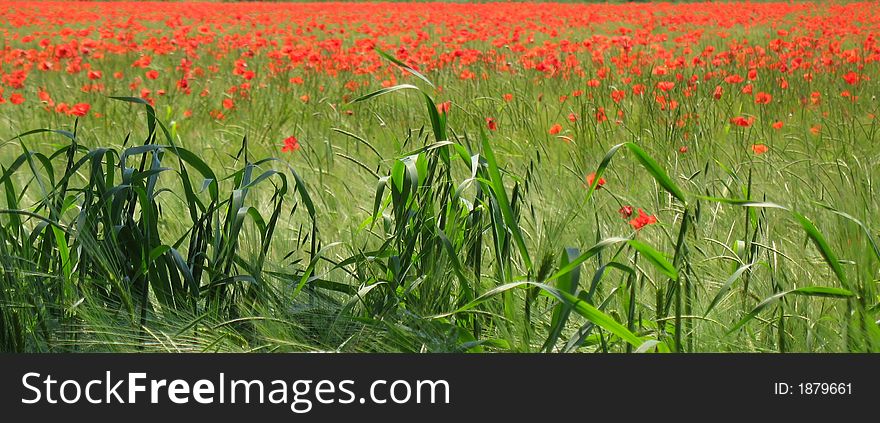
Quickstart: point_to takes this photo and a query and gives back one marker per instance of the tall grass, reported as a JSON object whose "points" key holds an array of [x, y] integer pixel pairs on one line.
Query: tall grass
{"points": [[147, 245]]}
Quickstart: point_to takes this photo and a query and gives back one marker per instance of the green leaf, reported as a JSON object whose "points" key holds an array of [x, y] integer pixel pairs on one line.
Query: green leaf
{"points": [[726, 287], [405, 67], [655, 257], [497, 186], [657, 172], [810, 291], [566, 283], [384, 91]]}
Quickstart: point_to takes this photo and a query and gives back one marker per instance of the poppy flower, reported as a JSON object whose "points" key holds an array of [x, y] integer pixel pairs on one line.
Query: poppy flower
{"points": [[718, 93], [592, 178], [625, 212], [759, 149], [490, 122], [851, 78], [16, 98], [555, 129], [80, 109], [290, 144], [753, 74], [45, 98], [744, 122], [508, 97], [665, 85], [572, 117], [683, 149], [228, 103], [777, 125], [763, 98], [152, 74], [443, 108], [642, 220]]}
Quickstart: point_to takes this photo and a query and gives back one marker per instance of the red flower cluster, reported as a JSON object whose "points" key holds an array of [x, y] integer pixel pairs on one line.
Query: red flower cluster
{"points": [[290, 144], [642, 220], [231, 50]]}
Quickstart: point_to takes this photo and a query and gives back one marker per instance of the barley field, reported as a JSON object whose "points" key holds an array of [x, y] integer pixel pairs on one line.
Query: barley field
{"points": [[439, 177]]}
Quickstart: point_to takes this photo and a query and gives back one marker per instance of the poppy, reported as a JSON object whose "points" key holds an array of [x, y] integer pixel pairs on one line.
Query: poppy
{"points": [[80, 109], [592, 178], [642, 220], [759, 149], [763, 98], [665, 85], [290, 144], [851, 78], [744, 122]]}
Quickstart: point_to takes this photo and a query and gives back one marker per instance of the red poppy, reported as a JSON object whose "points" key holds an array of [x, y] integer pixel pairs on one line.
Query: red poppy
{"points": [[777, 125], [80, 109], [683, 149], [555, 129], [744, 122], [642, 220], [490, 122], [592, 177], [851, 78], [763, 98], [760, 149], [16, 98], [625, 212], [290, 144], [665, 85]]}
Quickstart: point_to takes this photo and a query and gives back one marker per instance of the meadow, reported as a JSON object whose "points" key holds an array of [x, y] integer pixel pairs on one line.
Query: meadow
{"points": [[439, 177]]}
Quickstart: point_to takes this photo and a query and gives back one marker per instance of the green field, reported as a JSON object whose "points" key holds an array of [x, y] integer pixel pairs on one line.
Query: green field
{"points": [[395, 227]]}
